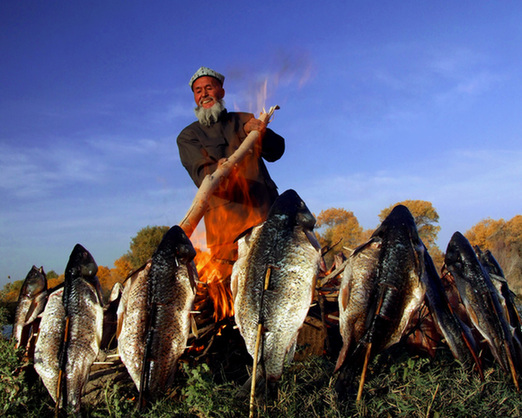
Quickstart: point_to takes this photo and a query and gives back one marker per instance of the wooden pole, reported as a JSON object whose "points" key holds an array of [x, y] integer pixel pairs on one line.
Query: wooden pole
{"points": [[211, 181], [258, 343]]}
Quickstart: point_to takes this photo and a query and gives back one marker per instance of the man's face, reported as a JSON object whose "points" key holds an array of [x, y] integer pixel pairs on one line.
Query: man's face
{"points": [[207, 91]]}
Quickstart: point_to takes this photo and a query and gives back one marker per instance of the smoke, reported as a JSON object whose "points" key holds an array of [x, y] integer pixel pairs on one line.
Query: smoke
{"points": [[260, 86]]}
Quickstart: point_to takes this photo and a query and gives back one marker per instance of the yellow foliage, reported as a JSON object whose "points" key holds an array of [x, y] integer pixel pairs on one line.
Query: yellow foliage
{"points": [[337, 225], [485, 233]]}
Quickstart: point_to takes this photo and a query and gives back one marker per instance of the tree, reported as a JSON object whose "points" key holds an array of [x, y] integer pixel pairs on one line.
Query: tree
{"points": [[504, 240], [338, 226], [487, 233], [122, 268], [144, 244]]}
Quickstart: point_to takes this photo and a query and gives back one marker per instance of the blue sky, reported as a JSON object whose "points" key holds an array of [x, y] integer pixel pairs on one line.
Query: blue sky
{"points": [[380, 102]]}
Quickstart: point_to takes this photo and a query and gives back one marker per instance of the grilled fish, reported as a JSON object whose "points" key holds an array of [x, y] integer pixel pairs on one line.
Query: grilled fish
{"points": [[481, 301], [70, 331], [284, 251], [394, 291], [31, 303], [155, 314], [498, 279], [356, 296], [456, 333]]}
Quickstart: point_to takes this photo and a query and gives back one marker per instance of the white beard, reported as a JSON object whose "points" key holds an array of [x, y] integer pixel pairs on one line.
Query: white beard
{"points": [[207, 117]]}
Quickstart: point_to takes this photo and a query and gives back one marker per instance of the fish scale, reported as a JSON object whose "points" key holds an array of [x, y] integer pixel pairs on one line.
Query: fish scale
{"points": [[31, 303], [71, 348], [155, 314], [391, 292], [481, 301], [281, 245]]}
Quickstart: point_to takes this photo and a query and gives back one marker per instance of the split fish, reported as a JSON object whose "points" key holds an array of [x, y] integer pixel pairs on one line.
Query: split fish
{"points": [[31, 303], [273, 282], [356, 296], [70, 331], [481, 301], [154, 314], [394, 292]]}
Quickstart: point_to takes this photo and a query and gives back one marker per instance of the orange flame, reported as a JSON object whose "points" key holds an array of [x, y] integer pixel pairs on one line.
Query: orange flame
{"points": [[215, 269]]}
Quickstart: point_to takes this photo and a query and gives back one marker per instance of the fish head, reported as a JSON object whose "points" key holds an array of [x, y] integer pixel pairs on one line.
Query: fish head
{"points": [[81, 264], [291, 208], [399, 225], [176, 244], [461, 259], [491, 264], [35, 282]]}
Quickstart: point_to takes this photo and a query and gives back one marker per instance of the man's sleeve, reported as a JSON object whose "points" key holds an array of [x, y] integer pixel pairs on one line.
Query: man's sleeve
{"points": [[194, 157], [273, 146]]}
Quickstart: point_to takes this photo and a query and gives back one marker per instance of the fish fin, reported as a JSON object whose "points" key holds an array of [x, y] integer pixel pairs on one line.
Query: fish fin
{"points": [[290, 353], [30, 311], [360, 248], [194, 326], [341, 357], [343, 297], [313, 239]]}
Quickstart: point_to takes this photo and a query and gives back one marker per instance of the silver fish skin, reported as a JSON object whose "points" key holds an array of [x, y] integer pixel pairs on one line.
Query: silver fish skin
{"points": [[155, 314], [356, 295], [481, 301], [286, 246], [31, 303], [71, 349]]}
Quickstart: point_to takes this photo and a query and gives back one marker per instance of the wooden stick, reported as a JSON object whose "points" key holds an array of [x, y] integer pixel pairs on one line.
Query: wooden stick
{"points": [[256, 349], [365, 368], [211, 181]]}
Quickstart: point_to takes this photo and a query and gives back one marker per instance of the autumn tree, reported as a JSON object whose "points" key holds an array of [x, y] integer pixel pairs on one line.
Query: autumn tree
{"points": [[144, 244], [504, 240], [122, 268], [340, 228], [487, 233], [107, 281]]}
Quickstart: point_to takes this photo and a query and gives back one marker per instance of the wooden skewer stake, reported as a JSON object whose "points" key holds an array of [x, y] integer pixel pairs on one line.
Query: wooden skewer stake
{"points": [[256, 349], [211, 181]]}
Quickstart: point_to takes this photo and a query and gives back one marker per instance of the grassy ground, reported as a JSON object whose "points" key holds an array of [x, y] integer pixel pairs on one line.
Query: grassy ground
{"points": [[397, 385], [405, 387]]}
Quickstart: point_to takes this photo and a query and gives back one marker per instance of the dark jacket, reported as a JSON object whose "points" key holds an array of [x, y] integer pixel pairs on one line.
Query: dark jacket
{"points": [[245, 203]]}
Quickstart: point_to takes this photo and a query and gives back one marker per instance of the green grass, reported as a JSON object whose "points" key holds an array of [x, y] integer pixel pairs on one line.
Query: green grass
{"points": [[398, 385]]}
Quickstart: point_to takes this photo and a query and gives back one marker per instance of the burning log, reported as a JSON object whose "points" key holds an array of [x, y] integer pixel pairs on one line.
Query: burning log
{"points": [[211, 181]]}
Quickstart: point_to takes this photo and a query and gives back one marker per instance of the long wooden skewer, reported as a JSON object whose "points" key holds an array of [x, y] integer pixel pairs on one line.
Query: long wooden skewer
{"points": [[258, 343], [211, 181]]}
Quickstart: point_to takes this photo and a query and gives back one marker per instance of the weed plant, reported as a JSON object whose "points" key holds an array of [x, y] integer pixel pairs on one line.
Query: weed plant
{"points": [[397, 385]]}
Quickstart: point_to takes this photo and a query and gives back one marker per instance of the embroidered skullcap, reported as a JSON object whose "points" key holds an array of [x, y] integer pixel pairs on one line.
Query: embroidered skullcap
{"points": [[204, 71]]}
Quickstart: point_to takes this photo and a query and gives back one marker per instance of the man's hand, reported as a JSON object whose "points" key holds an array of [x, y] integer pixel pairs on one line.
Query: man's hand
{"points": [[255, 125]]}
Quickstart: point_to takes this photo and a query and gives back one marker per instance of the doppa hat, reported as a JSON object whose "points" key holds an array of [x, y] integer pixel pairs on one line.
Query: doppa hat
{"points": [[204, 71]]}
